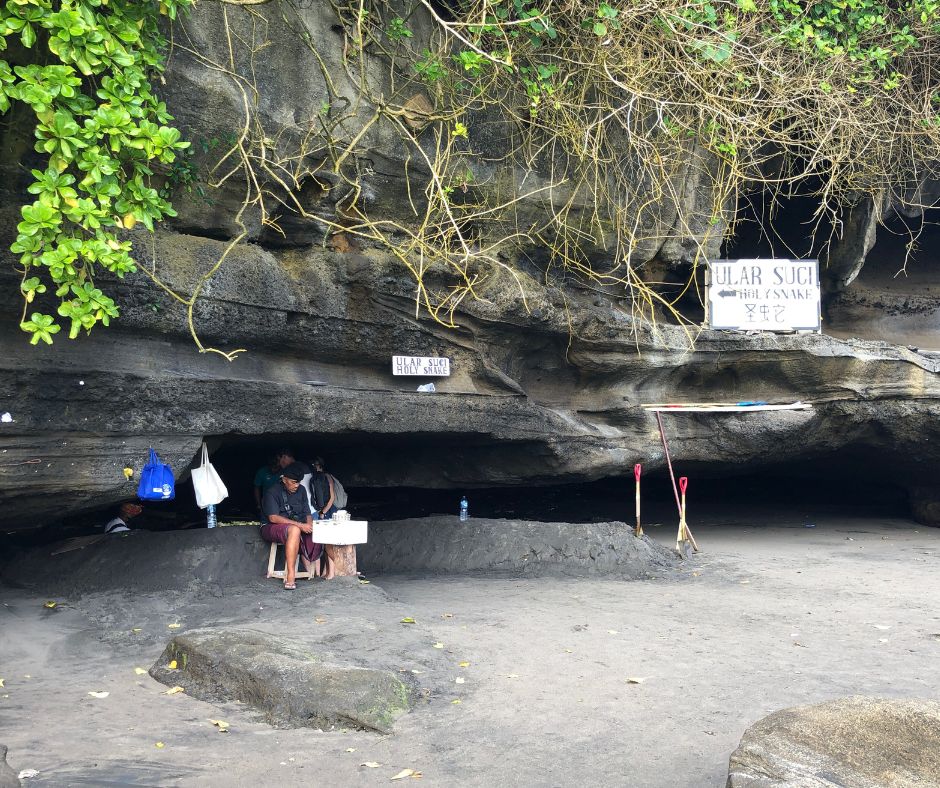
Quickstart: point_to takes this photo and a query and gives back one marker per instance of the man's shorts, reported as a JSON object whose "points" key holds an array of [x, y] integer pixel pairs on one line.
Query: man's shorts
{"points": [[277, 532]]}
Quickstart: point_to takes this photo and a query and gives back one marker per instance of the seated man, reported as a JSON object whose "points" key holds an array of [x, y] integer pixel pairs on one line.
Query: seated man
{"points": [[286, 519]]}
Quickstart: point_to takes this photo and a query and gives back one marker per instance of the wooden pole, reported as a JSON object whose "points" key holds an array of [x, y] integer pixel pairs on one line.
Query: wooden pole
{"points": [[685, 533], [672, 476], [681, 537], [637, 470]]}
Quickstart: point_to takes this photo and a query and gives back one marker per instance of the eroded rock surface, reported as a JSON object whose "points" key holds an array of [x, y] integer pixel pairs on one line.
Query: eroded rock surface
{"points": [[853, 742], [548, 378], [285, 680]]}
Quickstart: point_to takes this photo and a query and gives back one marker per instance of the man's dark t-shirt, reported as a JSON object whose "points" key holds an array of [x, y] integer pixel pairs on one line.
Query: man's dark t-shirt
{"points": [[294, 506]]}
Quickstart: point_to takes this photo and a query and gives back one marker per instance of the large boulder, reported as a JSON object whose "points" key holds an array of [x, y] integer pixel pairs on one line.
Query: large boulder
{"points": [[287, 681], [859, 742]]}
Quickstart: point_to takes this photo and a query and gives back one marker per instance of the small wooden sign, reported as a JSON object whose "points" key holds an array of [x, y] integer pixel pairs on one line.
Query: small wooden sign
{"points": [[421, 366]]}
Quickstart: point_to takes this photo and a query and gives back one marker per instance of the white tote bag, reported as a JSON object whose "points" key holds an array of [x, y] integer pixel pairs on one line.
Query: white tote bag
{"points": [[206, 482]]}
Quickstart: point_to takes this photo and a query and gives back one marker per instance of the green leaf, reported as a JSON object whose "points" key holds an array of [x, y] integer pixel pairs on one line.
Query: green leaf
{"points": [[28, 36]]}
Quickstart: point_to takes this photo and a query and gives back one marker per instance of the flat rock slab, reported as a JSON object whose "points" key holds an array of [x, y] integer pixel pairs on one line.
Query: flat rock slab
{"points": [[855, 742], [445, 544], [288, 683]]}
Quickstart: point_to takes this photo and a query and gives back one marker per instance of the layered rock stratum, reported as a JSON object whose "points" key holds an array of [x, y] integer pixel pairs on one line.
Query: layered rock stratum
{"points": [[549, 374]]}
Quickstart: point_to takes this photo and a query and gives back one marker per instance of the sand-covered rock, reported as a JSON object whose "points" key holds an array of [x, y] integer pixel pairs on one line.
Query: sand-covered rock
{"points": [[215, 560], [856, 742], [287, 682], [445, 544]]}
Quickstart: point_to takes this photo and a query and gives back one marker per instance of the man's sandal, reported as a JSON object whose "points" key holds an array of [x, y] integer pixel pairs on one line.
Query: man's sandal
{"points": [[290, 586]]}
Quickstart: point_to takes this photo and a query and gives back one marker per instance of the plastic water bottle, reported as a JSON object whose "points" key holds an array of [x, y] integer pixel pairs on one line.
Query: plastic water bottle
{"points": [[464, 509], [210, 515]]}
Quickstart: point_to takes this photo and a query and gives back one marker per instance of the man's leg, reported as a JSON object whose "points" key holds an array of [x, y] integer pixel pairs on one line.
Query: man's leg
{"points": [[291, 548], [330, 571]]}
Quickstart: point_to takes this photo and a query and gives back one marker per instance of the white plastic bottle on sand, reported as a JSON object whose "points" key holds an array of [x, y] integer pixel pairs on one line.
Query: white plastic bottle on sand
{"points": [[464, 509], [210, 516]]}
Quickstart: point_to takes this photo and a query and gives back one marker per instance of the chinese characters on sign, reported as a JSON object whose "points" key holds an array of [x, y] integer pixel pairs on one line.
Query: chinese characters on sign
{"points": [[764, 295], [421, 366]]}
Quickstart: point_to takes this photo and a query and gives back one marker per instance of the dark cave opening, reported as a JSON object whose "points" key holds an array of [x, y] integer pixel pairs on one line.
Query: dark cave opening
{"points": [[774, 225], [905, 254], [391, 477]]}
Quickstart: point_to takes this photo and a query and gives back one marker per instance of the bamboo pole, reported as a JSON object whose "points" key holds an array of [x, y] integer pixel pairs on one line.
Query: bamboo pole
{"points": [[637, 470]]}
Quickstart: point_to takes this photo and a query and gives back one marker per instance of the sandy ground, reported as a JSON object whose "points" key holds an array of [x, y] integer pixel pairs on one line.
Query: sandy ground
{"points": [[765, 618]]}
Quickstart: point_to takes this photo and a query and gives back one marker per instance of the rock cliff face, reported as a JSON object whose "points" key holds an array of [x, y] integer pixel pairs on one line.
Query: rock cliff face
{"points": [[545, 389]]}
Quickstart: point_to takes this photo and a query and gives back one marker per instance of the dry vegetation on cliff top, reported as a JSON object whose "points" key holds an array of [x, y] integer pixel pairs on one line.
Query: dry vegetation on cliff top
{"points": [[591, 136]]}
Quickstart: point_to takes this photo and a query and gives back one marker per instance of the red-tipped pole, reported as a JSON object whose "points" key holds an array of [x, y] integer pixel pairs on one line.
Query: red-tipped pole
{"points": [[681, 538], [637, 471], [684, 535]]}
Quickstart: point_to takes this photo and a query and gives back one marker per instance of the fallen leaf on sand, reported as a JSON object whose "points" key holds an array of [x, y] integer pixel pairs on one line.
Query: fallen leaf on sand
{"points": [[406, 773], [635, 680], [882, 640], [159, 745], [459, 680], [437, 645], [512, 676], [222, 725], [50, 604], [135, 630], [611, 631], [417, 672], [350, 749], [1, 682], [363, 582], [172, 665], [173, 626], [371, 765], [447, 615], [744, 582], [464, 664], [28, 774], [140, 671], [407, 620], [174, 691], [99, 694], [456, 701], [881, 626], [319, 620]]}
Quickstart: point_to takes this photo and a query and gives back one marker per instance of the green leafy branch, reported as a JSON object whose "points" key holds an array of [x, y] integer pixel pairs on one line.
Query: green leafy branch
{"points": [[102, 134]]}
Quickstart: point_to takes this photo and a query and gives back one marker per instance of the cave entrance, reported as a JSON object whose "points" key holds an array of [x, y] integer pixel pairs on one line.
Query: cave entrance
{"points": [[896, 296], [392, 477], [769, 224]]}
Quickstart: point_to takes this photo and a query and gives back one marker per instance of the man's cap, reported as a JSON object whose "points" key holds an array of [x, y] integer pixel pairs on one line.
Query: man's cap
{"points": [[294, 471]]}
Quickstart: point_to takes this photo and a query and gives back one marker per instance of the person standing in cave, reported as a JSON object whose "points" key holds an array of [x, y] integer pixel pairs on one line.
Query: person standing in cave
{"points": [[286, 519], [321, 486], [269, 475]]}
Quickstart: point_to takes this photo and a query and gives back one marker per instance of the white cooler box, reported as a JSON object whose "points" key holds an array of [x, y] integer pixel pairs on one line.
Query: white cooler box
{"points": [[333, 532]]}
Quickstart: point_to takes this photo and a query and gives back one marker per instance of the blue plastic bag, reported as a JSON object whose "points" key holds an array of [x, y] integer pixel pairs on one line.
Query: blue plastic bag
{"points": [[157, 482]]}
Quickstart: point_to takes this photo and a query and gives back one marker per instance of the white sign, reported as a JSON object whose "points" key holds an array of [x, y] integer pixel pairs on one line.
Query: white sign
{"points": [[764, 295], [422, 366]]}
